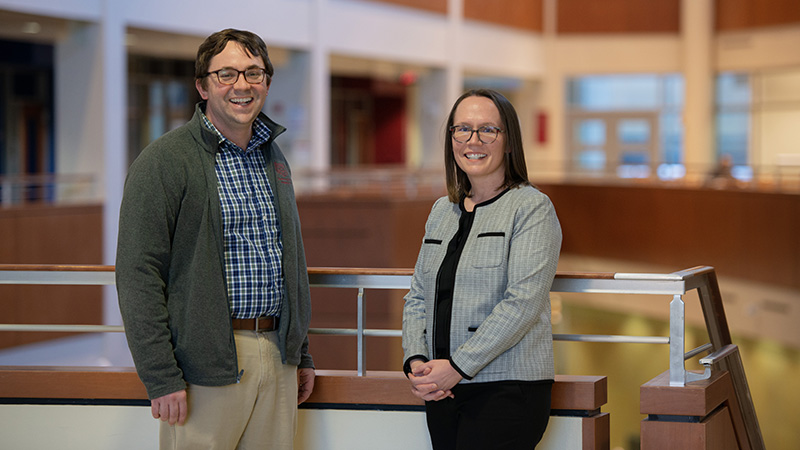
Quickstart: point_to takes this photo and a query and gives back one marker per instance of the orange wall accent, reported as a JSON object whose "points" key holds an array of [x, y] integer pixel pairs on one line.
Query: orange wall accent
{"points": [[383, 229], [525, 14], [45, 234], [618, 16], [744, 14], [437, 6], [744, 234]]}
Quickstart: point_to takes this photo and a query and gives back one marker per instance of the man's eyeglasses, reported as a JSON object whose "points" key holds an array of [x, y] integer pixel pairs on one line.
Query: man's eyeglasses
{"points": [[231, 76], [462, 133]]}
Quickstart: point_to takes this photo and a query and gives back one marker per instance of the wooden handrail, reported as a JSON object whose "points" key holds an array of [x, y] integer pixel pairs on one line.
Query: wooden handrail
{"points": [[694, 271], [570, 392], [56, 268], [311, 270], [357, 271]]}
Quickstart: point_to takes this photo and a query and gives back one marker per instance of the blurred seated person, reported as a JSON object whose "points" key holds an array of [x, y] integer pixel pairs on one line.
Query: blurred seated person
{"points": [[721, 177]]}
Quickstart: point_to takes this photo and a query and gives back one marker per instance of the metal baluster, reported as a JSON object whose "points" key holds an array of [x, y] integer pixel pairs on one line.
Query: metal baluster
{"points": [[362, 351], [677, 371]]}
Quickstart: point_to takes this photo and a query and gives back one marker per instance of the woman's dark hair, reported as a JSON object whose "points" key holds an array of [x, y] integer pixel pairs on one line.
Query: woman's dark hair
{"points": [[215, 44], [516, 172]]}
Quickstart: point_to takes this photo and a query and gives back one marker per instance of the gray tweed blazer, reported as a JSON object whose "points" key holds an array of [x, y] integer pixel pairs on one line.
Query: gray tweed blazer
{"points": [[500, 325]]}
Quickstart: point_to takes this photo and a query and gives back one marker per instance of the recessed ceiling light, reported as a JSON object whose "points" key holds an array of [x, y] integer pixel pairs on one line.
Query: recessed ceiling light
{"points": [[31, 28]]}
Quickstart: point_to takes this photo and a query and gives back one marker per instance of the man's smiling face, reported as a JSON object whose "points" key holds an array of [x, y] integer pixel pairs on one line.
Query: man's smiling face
{"points": [[233, 108]]}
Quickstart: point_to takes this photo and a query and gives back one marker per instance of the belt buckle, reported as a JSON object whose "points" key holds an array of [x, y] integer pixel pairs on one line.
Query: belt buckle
{"points": [[258, 328]]}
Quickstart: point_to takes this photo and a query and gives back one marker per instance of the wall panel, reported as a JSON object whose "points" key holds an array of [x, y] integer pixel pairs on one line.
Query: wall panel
{"points": [[437, 6], [360, 230], [525, 14], [618, 16], [743, 234], [49, 235], [731, 15]]}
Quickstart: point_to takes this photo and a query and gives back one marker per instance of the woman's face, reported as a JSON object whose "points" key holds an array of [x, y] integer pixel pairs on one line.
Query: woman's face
{"points": [[482, 162]]}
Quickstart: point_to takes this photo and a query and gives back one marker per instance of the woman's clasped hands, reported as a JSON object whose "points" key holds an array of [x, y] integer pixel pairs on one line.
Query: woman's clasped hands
{"points": [[433, 380]]}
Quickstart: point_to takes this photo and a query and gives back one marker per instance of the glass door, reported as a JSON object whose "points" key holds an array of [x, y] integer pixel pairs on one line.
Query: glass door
{"points": [[621, 144]]}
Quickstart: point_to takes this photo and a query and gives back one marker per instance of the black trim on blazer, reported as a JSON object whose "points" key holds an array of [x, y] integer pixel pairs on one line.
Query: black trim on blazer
{"points": [[493, 233], [458, 369], [407, 364]]}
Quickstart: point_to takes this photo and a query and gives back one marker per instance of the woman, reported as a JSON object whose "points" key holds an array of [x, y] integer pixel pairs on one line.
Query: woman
{"points": [[476, 323]]}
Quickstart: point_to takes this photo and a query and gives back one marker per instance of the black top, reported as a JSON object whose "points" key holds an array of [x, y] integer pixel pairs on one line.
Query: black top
{"points": [[446, 279], [445, 282]]}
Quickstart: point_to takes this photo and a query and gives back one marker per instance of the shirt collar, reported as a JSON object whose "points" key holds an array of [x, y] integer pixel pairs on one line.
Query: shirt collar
{"points": [[261, 132]]}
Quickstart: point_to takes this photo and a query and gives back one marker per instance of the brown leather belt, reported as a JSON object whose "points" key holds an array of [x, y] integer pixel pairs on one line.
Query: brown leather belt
{"points": [[263, 323]]}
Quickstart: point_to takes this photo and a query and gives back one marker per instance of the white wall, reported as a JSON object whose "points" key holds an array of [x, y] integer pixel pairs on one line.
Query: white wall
{"points": [[89, 10], [279, 22], [775, 117], [760, 49], [70, 427]]}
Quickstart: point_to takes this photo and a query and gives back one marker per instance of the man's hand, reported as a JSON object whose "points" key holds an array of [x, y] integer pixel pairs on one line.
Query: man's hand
{"points": [[305, 384], [170, 408]]}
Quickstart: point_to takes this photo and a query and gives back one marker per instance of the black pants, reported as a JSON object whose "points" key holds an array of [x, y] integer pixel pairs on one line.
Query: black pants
{"points": [[508, 415]]}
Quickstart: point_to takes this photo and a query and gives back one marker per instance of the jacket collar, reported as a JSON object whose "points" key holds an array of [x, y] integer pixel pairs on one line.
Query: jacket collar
{"points": [[209, 140]]}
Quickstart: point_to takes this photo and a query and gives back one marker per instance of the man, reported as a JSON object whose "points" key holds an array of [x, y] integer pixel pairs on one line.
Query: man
{"points": [[211, 272]]}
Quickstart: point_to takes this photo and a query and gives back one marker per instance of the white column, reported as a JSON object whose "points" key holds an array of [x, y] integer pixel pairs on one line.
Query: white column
{"points": [[551, 157], [91, 131], [113, 123], [436, 92], [79, 109], [433, 103], [320, 88], [289, 103], [697, 20], [455, 70], [526, 101]]}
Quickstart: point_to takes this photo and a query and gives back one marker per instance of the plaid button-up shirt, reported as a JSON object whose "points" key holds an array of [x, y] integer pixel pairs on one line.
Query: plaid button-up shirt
{"points": [[253, 246]]}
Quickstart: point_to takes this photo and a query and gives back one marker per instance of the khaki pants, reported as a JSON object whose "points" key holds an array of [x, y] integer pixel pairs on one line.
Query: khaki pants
{"points": [[259, 412]]}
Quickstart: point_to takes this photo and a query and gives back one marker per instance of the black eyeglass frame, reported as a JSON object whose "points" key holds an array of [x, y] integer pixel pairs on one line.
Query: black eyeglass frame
{"points": [[238, 74], [494, 129]]}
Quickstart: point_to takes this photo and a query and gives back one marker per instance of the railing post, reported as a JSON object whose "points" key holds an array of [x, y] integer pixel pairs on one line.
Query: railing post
{"points": [[362, 351], [720, 335], [677, 371]]}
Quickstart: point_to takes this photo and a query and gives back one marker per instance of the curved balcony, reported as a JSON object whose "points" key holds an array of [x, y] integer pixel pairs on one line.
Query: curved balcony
{"points": [[105, 407]]}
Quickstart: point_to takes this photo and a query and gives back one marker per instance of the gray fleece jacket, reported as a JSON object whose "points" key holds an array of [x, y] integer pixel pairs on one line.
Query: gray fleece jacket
{"points": [[170, 263]]}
